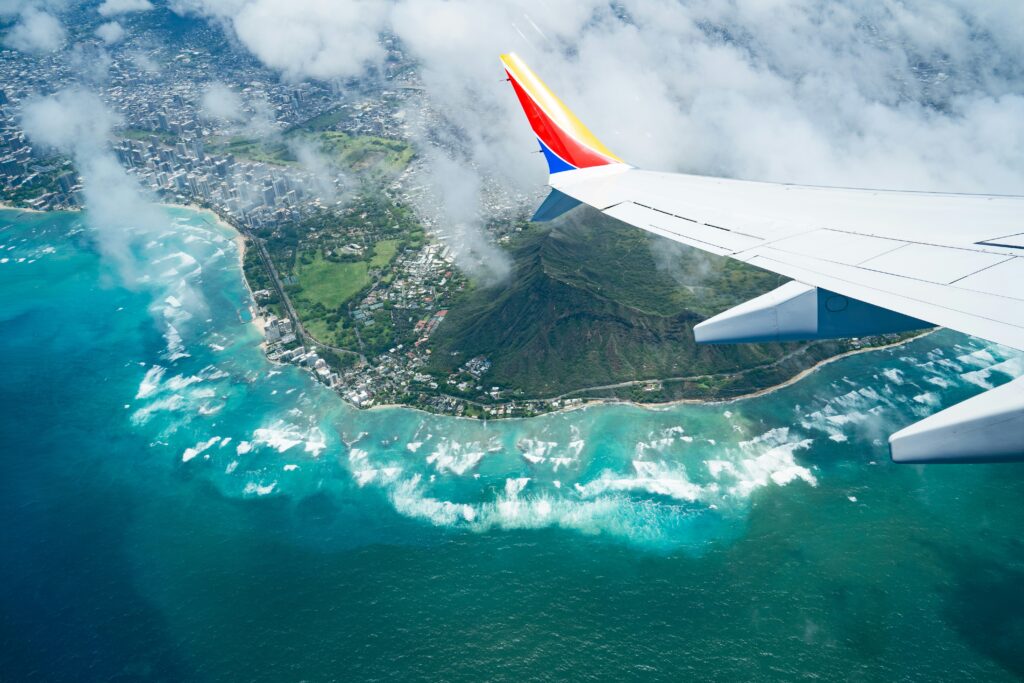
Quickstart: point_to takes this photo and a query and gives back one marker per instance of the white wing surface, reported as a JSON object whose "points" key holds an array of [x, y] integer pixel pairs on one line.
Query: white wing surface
{"points": [[952, 260]]}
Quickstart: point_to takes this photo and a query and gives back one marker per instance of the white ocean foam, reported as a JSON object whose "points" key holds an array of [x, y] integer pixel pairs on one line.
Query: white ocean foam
{"points": [[259, 489], [980, 357], [455, 457], [232, 466], [175, 346], [359, 437], [772, 462], [316, 442], [535, 450], [173, 403], [557, 463], [243, 447], [1014, 367], [414, 446], [658, 446], [150, 383], [651, 477], [894, 375], [381, 475], [199, 448], [283, 436], [208, 409], [979, 378], [940, 382]]}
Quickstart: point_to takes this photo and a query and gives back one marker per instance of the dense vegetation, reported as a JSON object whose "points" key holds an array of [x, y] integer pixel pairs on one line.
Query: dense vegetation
{"points": [[331, 259], [588, 305]]}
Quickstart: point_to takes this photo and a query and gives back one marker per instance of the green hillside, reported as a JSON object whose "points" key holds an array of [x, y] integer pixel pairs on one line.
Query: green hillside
{"points": [[588, 305]]}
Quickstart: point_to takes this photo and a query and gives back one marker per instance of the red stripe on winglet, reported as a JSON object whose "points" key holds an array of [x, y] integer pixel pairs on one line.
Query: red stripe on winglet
{"points": [[557, 140]]}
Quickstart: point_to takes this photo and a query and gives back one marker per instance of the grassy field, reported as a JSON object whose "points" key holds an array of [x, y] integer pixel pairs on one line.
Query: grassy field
{"points": [[329, 283], [383, 252], [254, 150], [325, 286], [363, 154]]}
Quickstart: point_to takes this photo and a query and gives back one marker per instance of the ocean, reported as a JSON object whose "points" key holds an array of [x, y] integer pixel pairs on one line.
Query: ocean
{"points": [[176, 507]]}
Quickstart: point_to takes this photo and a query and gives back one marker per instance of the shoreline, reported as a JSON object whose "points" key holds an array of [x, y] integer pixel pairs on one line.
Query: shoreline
{"points": [[655, 407], [792, 380], [258, 321], [6, 206], [260, 324]]}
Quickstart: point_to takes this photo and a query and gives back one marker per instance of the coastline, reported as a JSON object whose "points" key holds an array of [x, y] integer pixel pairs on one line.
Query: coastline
{"points": [[6, 206], [794, 379], [239, 239], [260, 324], [655, 407]]}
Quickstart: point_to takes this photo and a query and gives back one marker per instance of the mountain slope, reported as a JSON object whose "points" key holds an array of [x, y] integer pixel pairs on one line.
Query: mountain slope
{"points": [[588, 305]]}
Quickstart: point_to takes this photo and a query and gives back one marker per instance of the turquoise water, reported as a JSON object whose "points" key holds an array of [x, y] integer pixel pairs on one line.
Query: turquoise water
{"points": [[176, 507]]}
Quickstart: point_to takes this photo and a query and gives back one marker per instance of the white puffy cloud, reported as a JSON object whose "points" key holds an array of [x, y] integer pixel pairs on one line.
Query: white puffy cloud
{"points": [[110, 32], [110, 8], [848, 92], [36, 31], [323, 39], [75, 122], [68, 121], [221, 102]]}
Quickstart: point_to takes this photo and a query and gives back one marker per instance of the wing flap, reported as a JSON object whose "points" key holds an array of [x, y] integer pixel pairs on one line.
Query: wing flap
{"points": [[942, 265], [1003, 279], [717, 240], [838, 247]]}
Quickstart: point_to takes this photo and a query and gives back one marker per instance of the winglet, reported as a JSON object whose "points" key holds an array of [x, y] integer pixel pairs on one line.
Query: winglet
{"points": [[567, 144]]}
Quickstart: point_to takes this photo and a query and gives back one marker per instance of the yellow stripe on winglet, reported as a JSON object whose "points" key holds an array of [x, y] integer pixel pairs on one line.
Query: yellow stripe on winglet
{"points": [[552, 106]]}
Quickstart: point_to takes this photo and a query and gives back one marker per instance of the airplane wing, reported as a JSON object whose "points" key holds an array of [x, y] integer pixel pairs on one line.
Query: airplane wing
{"points": [[863, 261]]}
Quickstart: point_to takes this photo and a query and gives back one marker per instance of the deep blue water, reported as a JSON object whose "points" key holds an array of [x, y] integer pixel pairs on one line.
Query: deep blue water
{"points": [[175, 507]]}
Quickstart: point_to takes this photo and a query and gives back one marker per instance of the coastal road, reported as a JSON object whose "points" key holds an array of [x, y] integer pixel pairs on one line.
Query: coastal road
{"points": [[268, 264]]}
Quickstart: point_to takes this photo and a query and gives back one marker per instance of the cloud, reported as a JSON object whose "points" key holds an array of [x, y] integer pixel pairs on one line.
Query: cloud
{"points": [[322, 170], [325, 39], [110, 32], [110, 8], [457, 187], [221, 102], [76, 123], [90, 62], [36, 31], [144, 62], [920, 94], [853, 93]]}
